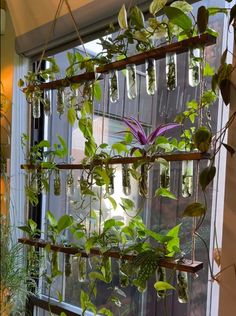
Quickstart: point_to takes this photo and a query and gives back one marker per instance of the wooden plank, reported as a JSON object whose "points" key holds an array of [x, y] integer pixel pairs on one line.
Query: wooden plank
{"points": [[160, 52], [186, 265], [128, 160], [157, 53], [54, 308]]}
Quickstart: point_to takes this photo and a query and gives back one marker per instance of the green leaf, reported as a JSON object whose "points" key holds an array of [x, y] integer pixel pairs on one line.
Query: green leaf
{"points": [[206, 176], [182, 5], [90, 242], [156, 6], [112, 201], [96, 275], [208, 70], [163, 286], [51, 218], [119, 147], [20, 83], [223, 57], [105, 311], [163, 162], [229, 148], [158, 237], [71, 115], [137, 17], [165, 193], [232, 14], [179, 18], [215, 10], [64, 222], [202, 19], [63, 314], [127, 204], [109, 223], [43, 143], [25, 229], [194, 210], [97, 90], [122, 18], [32, 224], [60, 298], [90, 148]]}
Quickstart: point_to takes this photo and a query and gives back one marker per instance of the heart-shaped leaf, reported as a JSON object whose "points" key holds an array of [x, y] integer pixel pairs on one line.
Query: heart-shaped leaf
{"points": [[194, 210], [206, 176], [202, 19], [122, 18]]}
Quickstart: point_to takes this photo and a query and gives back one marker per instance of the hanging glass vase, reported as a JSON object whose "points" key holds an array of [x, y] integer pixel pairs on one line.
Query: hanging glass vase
{"points": [[194, 65], [151, 77], [57, 183], [131, 81], [123, 274], [165, 176], [47, 104], [187, 178], [70, 188], [82, 269], [171, 71], [161, 276], [34, 182], [106, 268], [36, 107], [126, 179], [67, 265], [113, 86], [143, 182], [60, 102], [110, 189], [182, 286]]}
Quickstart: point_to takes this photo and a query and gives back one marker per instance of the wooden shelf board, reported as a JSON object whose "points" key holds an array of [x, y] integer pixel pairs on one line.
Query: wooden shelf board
{"points": [[157, 53], [187, 265], [128, 160]]}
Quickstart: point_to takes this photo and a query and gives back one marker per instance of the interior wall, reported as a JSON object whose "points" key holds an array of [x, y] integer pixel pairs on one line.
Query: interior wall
{"points": [[228, 267], [6, 77]]}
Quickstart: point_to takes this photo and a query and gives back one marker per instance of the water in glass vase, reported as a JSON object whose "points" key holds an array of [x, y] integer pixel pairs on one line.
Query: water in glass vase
{"points": [[165, 176], [113, 86], [60, 101], [187, 178], [194, 65], [171, 71], [151, 77], [47, 104], [182, 286], [57, 183], [131, 81], [36, 109], [126, 179]]}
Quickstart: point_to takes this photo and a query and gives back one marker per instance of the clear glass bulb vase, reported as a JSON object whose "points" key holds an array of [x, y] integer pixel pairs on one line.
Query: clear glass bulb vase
{"points": [[60, 102], [143, 182], [82, 269], [36, 108], [113, 86], [57, 183], [194, 65], [47, 104], [126, 179], [161, 276], [70, 187], [131, 81], [165, 176], [187, 178], [151, 77], [182, 286], [171, 71]]}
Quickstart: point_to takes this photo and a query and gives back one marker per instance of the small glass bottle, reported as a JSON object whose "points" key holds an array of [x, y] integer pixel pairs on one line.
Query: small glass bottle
{"points": [[82, 269], [67, 265], [123, 277], [110, 188], [106, 267], [70, 188], [187, 178], [194, 70], [113, 86], [126, 179], [165, 176], [60, 101], [47, 104], [151, 77], [161, 276], [182, 286], [171, 71], [131, 81], [34, 181], [36, 108], [143, 182], [57, 183]]}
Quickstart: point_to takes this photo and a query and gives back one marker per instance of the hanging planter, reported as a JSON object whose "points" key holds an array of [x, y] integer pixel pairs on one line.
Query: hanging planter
{"points": [[60, 102], [57, 183], [131, 81], [182, 286], [113, 86], [47, 104], [151, 77], [171, 71], [187, 178], [194, 71], [126, 179]]}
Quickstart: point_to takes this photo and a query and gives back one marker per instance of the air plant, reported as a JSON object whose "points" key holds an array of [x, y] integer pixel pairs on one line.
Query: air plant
{"points": [[146, 141]]}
